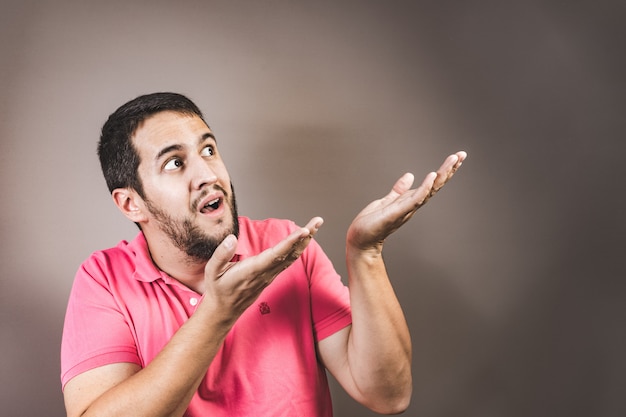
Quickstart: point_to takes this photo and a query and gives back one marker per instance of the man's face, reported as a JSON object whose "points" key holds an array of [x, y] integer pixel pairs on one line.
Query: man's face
{"points": [[188, 194]]}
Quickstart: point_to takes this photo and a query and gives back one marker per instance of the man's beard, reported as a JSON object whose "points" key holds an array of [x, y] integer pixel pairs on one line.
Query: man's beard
{"points": [[191, 239]]}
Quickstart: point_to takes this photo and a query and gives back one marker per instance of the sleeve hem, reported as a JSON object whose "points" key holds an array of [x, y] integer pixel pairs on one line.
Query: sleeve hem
{"points": [[97, 361], [333, 323]]}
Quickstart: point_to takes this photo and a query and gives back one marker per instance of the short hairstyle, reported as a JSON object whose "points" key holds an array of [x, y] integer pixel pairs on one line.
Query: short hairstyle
{"points": [[119, 159]]}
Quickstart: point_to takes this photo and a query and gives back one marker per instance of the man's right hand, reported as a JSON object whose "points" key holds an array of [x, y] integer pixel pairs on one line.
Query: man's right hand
{"points": [[234, 286]]}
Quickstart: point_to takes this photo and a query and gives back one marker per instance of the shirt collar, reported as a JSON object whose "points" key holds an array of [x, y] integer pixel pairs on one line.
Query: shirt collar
{"points": [[147, 271]]}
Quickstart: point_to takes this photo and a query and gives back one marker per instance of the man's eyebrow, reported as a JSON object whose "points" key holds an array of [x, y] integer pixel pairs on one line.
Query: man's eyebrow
{"points": [[206, 136], [168, 149], [177, 147]]}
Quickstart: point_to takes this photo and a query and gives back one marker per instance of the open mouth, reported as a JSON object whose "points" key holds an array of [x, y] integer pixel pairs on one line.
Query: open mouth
{"points": [[211, 205]]}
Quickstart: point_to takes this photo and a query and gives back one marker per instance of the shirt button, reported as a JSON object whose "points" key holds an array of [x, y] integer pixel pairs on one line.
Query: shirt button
{"points": [[193, 301]]}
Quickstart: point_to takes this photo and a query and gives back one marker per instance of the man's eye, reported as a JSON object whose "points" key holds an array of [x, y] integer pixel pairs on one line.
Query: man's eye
{"points": [[173, 164], [208, 150]]}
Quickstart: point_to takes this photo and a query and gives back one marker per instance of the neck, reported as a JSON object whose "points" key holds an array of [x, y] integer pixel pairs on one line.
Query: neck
{"points": [[176, 263]]}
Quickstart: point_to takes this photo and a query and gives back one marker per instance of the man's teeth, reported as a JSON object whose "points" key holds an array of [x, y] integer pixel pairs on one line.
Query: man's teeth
{"points": [[213, 204]]}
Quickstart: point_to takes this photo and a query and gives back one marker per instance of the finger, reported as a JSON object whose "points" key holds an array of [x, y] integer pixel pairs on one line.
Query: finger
{"points": [[409, 200], [403, 184], [447, 170], [274, 260], [314, 225], [222, 255], [425, 190], [461, 155], [288, 250]]}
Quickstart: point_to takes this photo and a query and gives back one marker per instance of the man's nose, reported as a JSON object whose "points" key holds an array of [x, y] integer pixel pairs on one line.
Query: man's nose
{"points": [[202, 173]]}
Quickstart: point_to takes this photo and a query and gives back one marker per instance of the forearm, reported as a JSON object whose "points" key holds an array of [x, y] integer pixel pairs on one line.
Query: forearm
{"points": [[166, 385], [375, 352], [379, 346]]}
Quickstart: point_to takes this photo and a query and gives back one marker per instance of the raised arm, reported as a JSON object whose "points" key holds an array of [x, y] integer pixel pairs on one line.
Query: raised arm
{"points": [[166, 386], [371, 358]]}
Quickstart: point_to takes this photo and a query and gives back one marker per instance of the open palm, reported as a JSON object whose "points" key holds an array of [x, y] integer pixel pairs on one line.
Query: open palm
{"points": [[382, 217]]}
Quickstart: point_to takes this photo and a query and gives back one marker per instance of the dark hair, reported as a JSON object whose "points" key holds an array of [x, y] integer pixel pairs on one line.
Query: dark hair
{"points": [[118, 157]]}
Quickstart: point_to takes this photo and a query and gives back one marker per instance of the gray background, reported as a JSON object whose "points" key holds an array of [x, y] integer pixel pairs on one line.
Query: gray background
{"points": [[512, 279]]}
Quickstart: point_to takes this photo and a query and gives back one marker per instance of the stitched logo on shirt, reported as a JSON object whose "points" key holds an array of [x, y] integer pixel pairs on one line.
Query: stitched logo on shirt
{"points": [[264, 308]]}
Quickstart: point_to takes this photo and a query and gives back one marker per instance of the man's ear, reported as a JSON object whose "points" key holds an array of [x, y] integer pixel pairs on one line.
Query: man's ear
{"points": [[130, 204]]}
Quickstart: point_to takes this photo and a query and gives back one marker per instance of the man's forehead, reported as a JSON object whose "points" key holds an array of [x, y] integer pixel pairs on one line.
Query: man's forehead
{"points": [[169, 126], [170, 119]]}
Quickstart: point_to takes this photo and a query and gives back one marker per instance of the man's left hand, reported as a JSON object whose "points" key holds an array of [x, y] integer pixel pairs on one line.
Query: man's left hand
{"points": [[382, 217]]}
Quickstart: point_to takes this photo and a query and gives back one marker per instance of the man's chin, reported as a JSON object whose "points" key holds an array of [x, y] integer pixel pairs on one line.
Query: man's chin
{"points": [[201, 245], [227, 225], [221, 228]]}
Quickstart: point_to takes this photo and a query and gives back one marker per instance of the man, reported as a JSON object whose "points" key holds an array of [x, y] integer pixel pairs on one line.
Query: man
{"points": [[206, 313]]}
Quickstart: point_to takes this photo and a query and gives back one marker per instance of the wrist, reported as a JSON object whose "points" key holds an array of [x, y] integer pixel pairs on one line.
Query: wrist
{"points": [[372, 254]]}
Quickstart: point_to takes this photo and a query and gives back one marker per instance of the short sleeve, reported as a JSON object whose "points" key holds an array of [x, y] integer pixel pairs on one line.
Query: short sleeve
{"points": [[330, 298], [96, 331]]}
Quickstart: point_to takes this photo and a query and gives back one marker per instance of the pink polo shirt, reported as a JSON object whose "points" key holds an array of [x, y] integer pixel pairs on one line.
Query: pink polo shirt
{"points": [[123, 309]]}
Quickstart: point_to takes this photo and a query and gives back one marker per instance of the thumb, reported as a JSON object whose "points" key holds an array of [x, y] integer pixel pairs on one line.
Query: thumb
{"points": [[219, 262]]}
